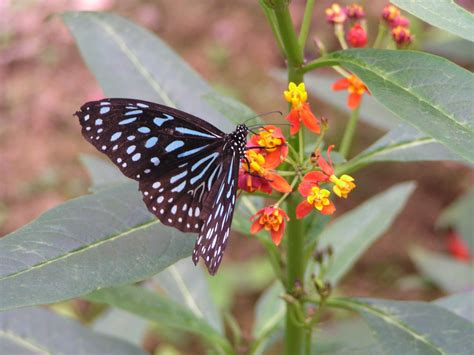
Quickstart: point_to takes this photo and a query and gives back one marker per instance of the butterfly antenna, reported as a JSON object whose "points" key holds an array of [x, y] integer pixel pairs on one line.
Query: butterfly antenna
{"points": [[263, 114]]}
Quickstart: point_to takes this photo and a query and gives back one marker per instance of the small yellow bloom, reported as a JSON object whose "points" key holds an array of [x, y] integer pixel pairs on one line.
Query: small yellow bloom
{"points": [[256, 163], [268, 140], [343, 185], [319, 198], [296, 94]]}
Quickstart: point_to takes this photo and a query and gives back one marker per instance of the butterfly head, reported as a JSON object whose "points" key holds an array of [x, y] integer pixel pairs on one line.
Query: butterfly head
{"points": [[239, 138]]}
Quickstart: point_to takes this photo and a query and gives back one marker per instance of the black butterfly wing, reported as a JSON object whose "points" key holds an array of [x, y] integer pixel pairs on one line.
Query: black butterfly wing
{"points": [[186, 168], [142, 137], [217, 213]]}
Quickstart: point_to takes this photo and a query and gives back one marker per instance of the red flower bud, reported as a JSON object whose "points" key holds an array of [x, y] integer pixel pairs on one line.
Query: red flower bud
{"points": [[356, 36]]}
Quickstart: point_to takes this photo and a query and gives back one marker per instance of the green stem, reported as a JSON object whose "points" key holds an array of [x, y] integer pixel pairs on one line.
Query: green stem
{"points": [[349, 133], [339, 32], [380, 35], [308, 12], [270, 15], [319, 63]]}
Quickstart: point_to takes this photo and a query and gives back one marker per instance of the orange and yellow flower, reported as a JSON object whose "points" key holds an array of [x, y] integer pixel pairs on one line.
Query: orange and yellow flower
{"points": [[355, 88], [256, 174], [402, 35], [316, 197], [273, 144], [300, 109], [272, 219], [390, 13], [342, 186]]}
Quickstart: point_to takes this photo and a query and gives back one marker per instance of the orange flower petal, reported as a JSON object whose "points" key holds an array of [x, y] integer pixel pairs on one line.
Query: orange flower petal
{"points": [[273, 159], [310, 120], [329, 209], [303, 209], [305, 188], [340, 84], [278, 183], [256, 226], [315, 176], [294, 119], [277, 235], [353, 101]]}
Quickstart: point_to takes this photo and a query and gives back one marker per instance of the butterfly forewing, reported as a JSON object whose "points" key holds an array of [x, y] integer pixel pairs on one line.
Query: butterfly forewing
{"points": [[140, 136], [187, 169]]}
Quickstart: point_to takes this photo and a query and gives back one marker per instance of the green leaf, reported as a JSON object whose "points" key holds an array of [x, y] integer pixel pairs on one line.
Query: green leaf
{"points": [[352, 233], [458, 215], [427, 91], [269, 313], [445, 14], [270, 309], [446, 272], [101, 172], [370, 112], [461, 303], [230, 108], [186, 283], [129, 61], [159, 309], [405, 327], [405, 144], [94, 241], [351, 336], [40, 331], [123, 325]]}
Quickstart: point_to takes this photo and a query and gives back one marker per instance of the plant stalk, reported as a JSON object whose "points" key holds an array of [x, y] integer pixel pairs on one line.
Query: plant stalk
{"points": [[346, 141]]}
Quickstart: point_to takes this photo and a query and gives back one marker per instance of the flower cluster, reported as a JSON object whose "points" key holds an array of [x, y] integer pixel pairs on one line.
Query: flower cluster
{"points": [[318, 197], [265, 151], [356, 36], [268, 148], [398, 24]]}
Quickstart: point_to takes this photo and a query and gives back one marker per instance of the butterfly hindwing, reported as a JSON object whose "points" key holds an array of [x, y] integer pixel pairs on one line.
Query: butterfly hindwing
{"points": [[217, 216]]}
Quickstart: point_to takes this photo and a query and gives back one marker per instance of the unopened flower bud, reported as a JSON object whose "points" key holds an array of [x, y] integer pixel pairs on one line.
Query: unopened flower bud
{"points": [[356, 36]]}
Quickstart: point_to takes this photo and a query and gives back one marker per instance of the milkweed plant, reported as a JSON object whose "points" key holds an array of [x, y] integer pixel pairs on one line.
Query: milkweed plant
{"points": [[106, 247]]}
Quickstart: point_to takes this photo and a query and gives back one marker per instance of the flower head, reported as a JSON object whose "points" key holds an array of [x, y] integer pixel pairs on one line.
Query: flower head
{"points": [[336, 14], [355, 11], [400, 21], [316, 197], [356, 36], [272, 219], [402, 36], [256, 174], [300, 109], [342, 186], [390, 13], [354, 86], [273, 144]]}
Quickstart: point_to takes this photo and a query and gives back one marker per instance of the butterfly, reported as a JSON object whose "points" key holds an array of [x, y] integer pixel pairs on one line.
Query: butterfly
{"points": [[186, 168]]}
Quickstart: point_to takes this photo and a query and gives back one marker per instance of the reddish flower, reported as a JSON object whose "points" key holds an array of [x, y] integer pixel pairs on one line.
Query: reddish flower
{"points": [[402, 36], [355, 11], [356, 36], [255, 174], [315, 198], [354, 86], [341, 186], [273, 142], [390, 13], [457, 247], [273, 220], [336, 14], [300, 109], [400, 21]]}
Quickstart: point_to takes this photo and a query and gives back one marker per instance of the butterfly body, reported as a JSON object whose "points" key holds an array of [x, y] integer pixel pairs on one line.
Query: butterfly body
{"points": [[187, 169]]}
